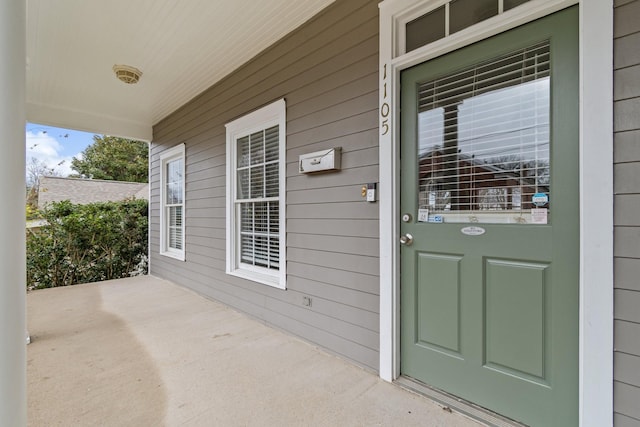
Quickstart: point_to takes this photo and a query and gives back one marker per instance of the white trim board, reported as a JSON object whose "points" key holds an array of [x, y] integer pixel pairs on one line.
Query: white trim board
{"points": [[596, 144]]}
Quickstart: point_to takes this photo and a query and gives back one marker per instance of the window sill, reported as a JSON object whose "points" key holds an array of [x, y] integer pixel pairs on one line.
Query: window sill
{"points": [[254, 276], [175, 255]]}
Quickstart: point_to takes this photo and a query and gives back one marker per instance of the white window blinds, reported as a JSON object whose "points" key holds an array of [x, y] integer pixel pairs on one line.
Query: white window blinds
{"points": [[257, 198], [173, 203], [483, 135]]}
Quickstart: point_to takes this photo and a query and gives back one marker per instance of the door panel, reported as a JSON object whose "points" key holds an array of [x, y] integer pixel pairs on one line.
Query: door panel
{"points": [[515, 321], [489, 176], [439, 301]]}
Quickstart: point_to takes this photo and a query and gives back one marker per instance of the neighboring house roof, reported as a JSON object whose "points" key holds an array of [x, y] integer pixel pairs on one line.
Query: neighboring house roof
{"points": [[143, 193], [83, 191]]}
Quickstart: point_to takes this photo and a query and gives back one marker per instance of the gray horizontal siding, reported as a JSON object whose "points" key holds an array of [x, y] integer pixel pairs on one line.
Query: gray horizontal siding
{"points": [[627, 213], [627, 271], [617, 3], [627, 398], [627, 303], [625, 52], [331, 42], [622, 421], [626, 19], [626, 337], [627, 369], [627, 83], [627, 145], [327, 72]]}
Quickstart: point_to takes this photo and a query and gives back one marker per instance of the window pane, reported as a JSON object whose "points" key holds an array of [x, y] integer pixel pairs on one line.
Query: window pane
{"points": [[175, 216], [171, 172], [167, 194], [274, 253], [246, 216], [271, 144], [261, 251], [272, 180], [243, 152], [174, 194], [484, 135], [425, 29], [257, 182], [257, 147], [259, 234], [175, 227], [243, 184], [246, 249], [174, 171], [261, 218], [274, 218], [464, 13]]}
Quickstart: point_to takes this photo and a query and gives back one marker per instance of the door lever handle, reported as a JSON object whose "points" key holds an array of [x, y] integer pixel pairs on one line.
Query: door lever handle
{"points": [[406, 240]]}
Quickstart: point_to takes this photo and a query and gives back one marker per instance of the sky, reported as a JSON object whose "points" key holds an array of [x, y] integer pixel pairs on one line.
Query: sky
{"points": [[55, 146]]}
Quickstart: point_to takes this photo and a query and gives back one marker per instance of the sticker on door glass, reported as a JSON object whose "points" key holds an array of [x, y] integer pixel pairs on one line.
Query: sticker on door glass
{"points": [[438, 219], [539, 199], [539, 216], [423, 215]]}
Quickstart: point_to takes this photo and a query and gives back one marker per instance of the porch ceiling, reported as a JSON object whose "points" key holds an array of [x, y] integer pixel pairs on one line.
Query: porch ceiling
{"points": [[181, 48]]}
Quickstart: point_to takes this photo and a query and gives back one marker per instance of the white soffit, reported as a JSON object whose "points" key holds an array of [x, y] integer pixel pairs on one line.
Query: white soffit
{"points": [[181, 47]]}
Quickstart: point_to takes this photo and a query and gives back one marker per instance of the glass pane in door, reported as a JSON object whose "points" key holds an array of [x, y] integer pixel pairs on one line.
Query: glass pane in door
{"points": [[483, 151]]}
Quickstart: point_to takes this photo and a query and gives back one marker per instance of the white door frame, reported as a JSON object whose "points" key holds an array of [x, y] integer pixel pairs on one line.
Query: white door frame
{"points": [[596, 153]]}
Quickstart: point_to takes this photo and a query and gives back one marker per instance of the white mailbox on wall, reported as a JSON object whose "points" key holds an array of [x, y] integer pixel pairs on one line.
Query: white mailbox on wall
{"points": [[320, 161]]}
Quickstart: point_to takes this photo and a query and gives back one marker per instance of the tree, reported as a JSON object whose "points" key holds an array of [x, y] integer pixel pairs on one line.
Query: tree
{"points": [[36, 169], [113, 158]]}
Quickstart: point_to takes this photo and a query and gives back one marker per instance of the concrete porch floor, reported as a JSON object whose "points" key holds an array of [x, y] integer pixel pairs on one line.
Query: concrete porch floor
{"points": [[145, 352]]}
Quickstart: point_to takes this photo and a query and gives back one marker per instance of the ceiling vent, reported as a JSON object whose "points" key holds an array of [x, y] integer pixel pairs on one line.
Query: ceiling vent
{"points": [[125, 73]]}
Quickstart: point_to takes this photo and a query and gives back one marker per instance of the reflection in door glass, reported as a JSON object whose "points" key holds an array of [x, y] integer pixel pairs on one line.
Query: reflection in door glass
{"points": [[483, 135]]}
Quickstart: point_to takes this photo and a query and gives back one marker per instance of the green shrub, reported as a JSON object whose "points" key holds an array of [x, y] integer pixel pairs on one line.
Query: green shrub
{"points": [[31, 212], [88, 243]]}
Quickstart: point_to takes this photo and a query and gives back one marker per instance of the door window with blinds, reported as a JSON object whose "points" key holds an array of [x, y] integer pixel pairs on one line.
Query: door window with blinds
{"points": [[172, 212], [255, 197], [483, 150]]}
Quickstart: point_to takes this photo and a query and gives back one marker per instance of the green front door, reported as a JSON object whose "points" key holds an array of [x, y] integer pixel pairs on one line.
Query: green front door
{"points": [[490, 222]]}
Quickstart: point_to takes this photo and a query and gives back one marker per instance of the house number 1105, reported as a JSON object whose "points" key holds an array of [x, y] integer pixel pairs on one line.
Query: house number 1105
{"points": [[384, 108]]}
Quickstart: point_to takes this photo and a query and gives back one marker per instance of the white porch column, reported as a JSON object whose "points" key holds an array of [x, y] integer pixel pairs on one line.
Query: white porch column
{"points": [[13, 396]]}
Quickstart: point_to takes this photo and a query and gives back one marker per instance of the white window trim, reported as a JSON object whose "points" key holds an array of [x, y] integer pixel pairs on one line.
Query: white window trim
{"points": [[270, 115], [596, 150], [166, 156]]}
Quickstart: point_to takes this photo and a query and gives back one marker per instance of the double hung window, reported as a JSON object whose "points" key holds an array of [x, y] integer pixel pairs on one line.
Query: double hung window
{"points": [[255, 195], [172, 199]]}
